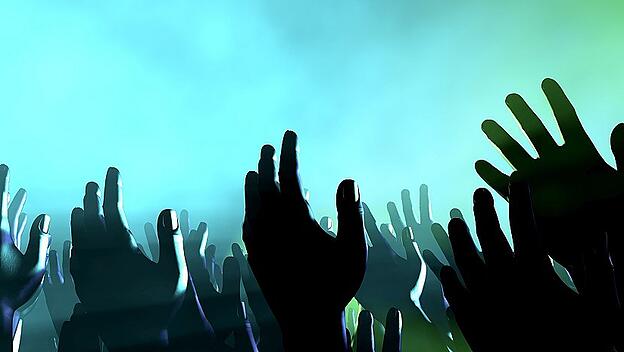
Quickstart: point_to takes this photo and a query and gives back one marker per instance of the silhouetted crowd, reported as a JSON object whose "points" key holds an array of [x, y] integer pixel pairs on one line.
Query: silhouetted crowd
{"points": [[303, 285]]}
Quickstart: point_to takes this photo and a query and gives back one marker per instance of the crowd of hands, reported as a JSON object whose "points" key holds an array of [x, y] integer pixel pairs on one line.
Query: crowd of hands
{"points": [[411, 285]]}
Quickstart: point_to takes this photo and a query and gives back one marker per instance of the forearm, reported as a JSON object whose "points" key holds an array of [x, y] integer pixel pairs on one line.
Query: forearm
{"points": [[325, 333]]}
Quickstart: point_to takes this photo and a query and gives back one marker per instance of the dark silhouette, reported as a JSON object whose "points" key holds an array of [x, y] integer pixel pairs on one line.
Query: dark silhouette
{"points": [[323, 271], [365, 340], [514, 301], [59, 289]]}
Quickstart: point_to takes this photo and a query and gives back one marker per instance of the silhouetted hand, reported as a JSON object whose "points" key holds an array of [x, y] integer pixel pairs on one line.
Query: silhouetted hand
{"points": [[60, 293], [21, 274], [514, 301], [295, 260], [431, 298], [572, 186], [392, 336], [121, 288], [389, 281], [269, 337]]}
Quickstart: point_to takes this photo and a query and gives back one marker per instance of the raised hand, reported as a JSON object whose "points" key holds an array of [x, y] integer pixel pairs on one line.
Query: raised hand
{"points": [[295, 260], [365, 340], [121, 288], [221, 308], [571, 184], [514, 301], [389, 281], [21, 274], [58, 287]]}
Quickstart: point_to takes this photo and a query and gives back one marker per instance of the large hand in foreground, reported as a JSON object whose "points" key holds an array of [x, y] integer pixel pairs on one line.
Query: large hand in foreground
{"points": [[571, 184], [21, 274], [297, 261], [514, 301], [131, 297]]}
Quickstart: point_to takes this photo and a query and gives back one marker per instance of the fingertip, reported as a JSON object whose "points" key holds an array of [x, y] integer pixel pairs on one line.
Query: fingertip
{"points": [[92, 188], [44, 223], [424, 188], [408, 234], [168, 220], [456, 225], [348, 192], [267, 152], [483, 197], [487, 125]]}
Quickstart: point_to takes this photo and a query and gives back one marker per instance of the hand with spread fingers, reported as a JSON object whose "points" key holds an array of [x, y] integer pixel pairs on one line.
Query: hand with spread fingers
{"points": [[513, 300], [323, 271], [365, 338], [22, 274], [431, 299], [121, 288], [390, 280], [571, 184], [59, 289]]}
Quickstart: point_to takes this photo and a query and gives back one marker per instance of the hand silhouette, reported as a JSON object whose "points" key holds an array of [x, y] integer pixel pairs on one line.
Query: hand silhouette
{"points": [[121, 288], [21, 274], [58, 287], [392, 337], [269, 336], [514, 301], [389, 281], [571, 184], [431, 299], [298, 261]]}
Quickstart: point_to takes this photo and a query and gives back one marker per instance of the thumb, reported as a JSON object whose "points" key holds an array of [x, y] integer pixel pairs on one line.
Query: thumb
{"points": [[39, 243], [171, 256], [617, 145]]}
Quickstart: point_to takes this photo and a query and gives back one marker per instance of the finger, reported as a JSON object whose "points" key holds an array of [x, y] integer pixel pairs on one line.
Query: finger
{"points": [[19, 232], [38, 244], [266, 173], [364, 335], [371, 228], [15, 210], [231, 278], [185, 223], [528, 247], [509, 147], [326, 224], [93, 213], [113, 202], [237, 251], [252, 203], [496, 249], [388, 231], [152, 240], [5, 229], [617, 145], [433, 262], [66, 257], [411, 249], [395, 218], [456, 213], [442, 239], [531, 124], [290, 184], [350, 234], [425, 207], [408, 210], [465, 252], [454, 292], [55, 275], [392, 336], [493, 177], [171, 252], [569, 123], [80, 239], [201, 238]]}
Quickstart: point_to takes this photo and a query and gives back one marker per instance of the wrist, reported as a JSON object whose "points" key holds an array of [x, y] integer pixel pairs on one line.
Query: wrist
{"points": [[326, 332]]}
